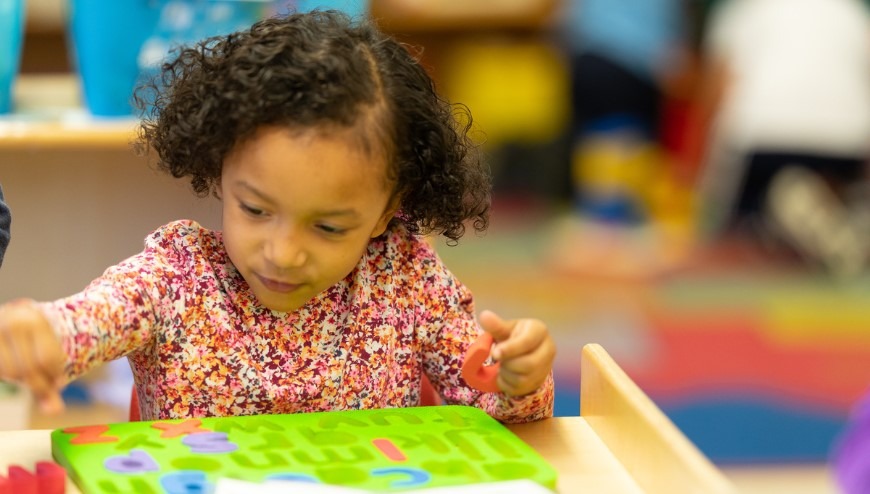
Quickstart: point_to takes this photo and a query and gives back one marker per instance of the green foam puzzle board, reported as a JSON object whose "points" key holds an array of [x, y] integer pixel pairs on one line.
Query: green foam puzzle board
{"points": [[381, 450]]}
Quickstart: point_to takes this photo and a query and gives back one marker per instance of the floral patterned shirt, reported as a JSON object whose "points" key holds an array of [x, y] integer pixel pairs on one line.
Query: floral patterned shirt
{"points": [[201, 345]]}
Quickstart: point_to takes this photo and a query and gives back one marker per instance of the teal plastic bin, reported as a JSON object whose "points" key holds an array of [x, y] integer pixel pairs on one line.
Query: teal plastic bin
{"points": [[116, 43], [354, 8], [11, 33]]}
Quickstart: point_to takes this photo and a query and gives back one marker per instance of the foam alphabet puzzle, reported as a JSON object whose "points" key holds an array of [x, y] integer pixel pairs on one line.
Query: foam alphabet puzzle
{"points": [[377, 450]]}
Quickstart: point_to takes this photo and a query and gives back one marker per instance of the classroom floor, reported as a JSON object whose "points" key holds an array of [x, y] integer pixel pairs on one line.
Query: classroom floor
{"points": [[762, 396]]}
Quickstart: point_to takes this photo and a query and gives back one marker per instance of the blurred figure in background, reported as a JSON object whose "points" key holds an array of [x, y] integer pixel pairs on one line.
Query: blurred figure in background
{"points": [[787, 92], [5, 224], [625, 57], [624, 51]]}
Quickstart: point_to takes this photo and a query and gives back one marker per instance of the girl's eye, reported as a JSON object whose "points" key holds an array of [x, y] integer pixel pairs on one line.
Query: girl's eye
{"points": [[251, 210], [331, 230]]}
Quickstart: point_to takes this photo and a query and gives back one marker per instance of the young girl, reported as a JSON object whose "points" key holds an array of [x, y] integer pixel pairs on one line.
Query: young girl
{"points": [[331, 153]]}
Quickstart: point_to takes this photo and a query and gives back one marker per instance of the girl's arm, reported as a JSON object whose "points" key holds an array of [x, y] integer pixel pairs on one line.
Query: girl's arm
{"points": [[31, 354], [46, 345], [448, 327], [113, 316]]}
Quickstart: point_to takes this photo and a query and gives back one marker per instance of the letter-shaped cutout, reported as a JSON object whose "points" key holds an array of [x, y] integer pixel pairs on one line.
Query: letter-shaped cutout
{"points": [[209, 442], [170, 429], [294, 477], [88, 434], [186, 482], [50, 477], [414, 477], [137, 461], [140, 441], [389, 449], [479, 376]]}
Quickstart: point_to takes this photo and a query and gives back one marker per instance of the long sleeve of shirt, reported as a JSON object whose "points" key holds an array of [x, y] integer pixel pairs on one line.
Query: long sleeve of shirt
{"points": [[446, 321]]}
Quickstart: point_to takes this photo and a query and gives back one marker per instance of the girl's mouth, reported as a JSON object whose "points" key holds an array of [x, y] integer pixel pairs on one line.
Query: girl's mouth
{"points": [[278, 286]]}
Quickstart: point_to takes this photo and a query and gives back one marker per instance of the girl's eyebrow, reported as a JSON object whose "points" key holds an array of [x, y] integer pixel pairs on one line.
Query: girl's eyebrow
{"points": [[348, 212], [253, 190]]}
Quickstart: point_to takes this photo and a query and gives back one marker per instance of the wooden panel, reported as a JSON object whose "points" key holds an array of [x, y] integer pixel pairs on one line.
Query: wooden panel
{"points": [[414, 16], [49, 114], [650, 447], [75, 212], [583, 461], [81, 200]]}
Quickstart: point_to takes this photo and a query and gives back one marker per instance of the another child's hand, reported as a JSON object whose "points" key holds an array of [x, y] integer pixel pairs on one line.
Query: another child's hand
{"points": [[524, 348], [31, 354]]}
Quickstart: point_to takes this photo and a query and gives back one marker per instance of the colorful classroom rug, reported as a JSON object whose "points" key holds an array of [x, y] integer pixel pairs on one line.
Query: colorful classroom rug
{"points": [[752, 365]]}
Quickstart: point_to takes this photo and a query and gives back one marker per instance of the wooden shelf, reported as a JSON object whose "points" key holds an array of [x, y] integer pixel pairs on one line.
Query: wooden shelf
{"points": [[49, 113], [416, 17]]}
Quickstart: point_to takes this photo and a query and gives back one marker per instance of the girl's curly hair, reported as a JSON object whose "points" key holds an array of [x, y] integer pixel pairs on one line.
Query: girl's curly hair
{"points": [[318, 69]]}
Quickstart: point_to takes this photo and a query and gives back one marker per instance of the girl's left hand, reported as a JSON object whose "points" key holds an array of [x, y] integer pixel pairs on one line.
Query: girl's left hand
{"points": [[524, 348]]}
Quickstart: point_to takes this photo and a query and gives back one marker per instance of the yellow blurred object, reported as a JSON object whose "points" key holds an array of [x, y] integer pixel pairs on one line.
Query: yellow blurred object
{"points": [[625, 168], [517, 90], [604, 165]]}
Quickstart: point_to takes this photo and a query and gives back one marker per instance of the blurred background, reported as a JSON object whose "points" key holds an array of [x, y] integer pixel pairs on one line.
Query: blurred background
{"points": [[681, 181]]}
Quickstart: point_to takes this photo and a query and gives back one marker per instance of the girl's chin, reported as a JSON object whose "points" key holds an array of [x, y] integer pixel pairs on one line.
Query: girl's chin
{"points": [[281, 305]]}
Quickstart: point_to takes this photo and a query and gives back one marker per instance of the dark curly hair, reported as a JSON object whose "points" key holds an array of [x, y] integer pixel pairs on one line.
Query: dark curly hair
{"points": [[318, 69]]}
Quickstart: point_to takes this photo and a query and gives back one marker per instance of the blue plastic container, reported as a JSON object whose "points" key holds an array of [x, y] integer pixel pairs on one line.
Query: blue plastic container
{"points": [[354, 8], [11, 32], [115, 43]]}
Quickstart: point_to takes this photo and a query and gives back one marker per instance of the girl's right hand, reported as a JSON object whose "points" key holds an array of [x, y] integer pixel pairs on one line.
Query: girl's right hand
{"points": [[31, 353]]}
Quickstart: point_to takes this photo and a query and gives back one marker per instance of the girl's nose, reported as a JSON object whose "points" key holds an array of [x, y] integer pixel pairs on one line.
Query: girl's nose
{"points": [[286, 250]]}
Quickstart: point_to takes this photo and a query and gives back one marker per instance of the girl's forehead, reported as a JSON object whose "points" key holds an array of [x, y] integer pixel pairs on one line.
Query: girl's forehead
{"points": [[282, 146], [306, 173], [361, 139]]}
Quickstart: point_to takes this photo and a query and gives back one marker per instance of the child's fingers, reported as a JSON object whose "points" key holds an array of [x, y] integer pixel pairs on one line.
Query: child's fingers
{"points": [[8, 362], [507, 383], [525, 374], [535, 362], [527, 335], [518, 385], [46, 366], [30, 353], [51, 404], [495, 325], [45, 392], [36, 349], [41, 368], [50, 357], [14, 367]]}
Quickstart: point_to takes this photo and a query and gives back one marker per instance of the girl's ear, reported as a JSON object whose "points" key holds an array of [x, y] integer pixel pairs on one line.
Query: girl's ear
{"points": [[217, 191], [389, 213]]}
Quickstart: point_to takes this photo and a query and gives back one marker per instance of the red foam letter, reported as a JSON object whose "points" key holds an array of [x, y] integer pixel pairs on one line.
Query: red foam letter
{"points": [[190, 426], [50, 477], [474, 372], [88, 434]]}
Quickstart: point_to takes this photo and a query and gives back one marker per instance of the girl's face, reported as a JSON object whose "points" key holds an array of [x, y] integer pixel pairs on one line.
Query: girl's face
{"points": [[299, 208]]}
